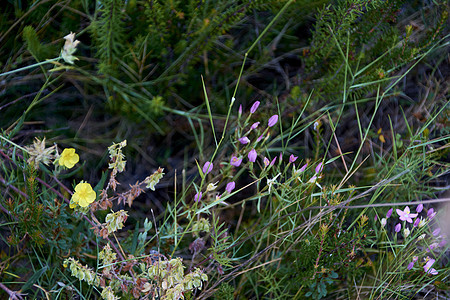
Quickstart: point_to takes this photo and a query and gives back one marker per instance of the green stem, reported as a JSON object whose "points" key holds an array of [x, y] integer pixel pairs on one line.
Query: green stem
{"points": [[31, 66]]}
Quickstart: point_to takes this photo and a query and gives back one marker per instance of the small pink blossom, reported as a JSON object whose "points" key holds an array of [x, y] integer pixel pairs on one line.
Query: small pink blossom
{"points": [[442, 243], [252, 155], [273, 120], [273, 161], [419, 208], [260, 137], [398, 227], [431, 213], [319, 168], [303, 168], [406, 215], [240, 110], [254, 107], [389, 213], [266, 162], [254, 125], [427, 267], [198, 197], [235, 161], [207, 167], [437, 231], [416, 222], [410, 265], [244, 140], [230, 186], [292, 158]]}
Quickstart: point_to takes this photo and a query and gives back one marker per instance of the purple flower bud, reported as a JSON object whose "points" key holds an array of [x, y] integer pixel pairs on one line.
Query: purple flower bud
{"points": [[292, 158], [389, 213], [207, 167], [436, 231], [442, 243], [254, 107], [416, 222], [398, 227], [260, 137], [419, 208], [273, 161], [244, 140], [198, 197], [431, 213], [281, 156], [235, 161], [303, 168], [240, 110], [266, 162], [254, 125], [410, 266], [375, 218], [230, 187], [319, 168], [273, 120], [252, 155]]}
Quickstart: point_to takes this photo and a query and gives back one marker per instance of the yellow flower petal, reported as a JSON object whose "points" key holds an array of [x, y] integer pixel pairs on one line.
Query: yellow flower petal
{"points": [[68, 158], [84, 194]]}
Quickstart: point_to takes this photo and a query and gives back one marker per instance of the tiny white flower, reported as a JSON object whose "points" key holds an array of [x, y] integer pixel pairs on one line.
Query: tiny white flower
{"points": [[406, 232]]}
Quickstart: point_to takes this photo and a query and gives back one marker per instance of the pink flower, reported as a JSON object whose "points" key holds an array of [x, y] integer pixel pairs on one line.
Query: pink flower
{"points": [[406, 215], [207, 167], [198, 197], [235, 161], [303, 168], [260, 137], [389, 213], [419, 208], [254, 107], [442, 243], [273, 120], [292, 158], [431, 213], [273, 161], [398, 227], [244, 140], [254, 125], [410, 266], [319, 168], [252, 155], [436, 231], [416, 222], [240, 110], [230, 187], [266, 162], [427, 267]]}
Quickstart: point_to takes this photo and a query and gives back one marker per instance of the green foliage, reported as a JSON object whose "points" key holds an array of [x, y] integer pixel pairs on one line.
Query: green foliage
{"points": [[39, 51]]}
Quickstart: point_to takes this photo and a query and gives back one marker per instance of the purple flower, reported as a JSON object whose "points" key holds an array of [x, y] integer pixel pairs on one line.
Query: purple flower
{"points": [[273, 161], [244, 140], [207, 167], [431, 213], [240, 110], [319, 168], [273, 120], [389, 213], [416, 222], [198, 197], [281, 156], [427, 267], [442, 243], [254, 125], [410, 266], [252, 155], [235, 161], [398, 227], [254, 107], [260, 137], [383, 222], [406, 215], [266, 162], [230, 187], [292, 158], [436, 231], [303, 168], [419, 208]]}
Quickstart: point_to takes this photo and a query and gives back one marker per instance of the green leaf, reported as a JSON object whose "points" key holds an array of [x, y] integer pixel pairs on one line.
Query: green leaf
{"points": [[34, 278]]}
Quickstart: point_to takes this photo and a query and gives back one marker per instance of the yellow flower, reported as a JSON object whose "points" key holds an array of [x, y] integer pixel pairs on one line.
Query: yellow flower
{"points": [[68, 158], [84, 194]]}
